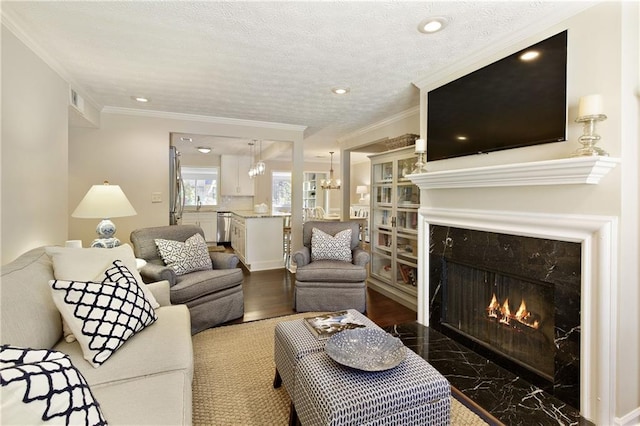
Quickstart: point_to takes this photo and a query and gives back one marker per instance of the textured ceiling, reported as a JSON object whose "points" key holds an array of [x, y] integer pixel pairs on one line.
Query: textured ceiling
{"points": [[267, 61]]}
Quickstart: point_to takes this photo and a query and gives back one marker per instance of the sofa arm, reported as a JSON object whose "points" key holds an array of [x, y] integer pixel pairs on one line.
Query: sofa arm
{"points": [[224, 260], [302, 256], [360, 257], [152, 273], [160, 291]]}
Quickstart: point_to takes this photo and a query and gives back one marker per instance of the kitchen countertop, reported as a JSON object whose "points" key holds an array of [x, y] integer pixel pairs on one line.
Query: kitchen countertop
{"points": [[250, 214]]}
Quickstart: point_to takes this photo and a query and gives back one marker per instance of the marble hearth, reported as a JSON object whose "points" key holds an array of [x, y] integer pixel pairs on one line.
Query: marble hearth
{"points": [[592, 296]]}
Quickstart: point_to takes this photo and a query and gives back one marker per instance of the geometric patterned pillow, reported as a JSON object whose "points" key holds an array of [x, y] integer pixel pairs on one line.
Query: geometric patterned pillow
{"points": [[116, 273], [40, 385], [326, 247], [102, 316], [190, 256]]}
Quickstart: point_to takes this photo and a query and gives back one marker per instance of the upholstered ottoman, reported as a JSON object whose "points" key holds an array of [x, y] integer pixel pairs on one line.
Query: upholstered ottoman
{"points": [[413, 393], [293, 341]]}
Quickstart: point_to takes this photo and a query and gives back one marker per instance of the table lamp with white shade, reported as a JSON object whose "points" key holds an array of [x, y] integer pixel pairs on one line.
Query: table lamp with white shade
{"points": [[362, 190], [104, 202]]}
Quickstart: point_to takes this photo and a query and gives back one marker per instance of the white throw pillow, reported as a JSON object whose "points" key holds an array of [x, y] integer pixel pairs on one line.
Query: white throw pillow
{"points": [[190, 256], [326, 247], [85, 264], [102, 316], [42, 386]]}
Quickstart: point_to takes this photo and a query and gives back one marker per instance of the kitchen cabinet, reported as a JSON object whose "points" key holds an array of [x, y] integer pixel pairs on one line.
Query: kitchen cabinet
{"points": [[257, 240], [234, 179], [394, 226], [208, 221]]}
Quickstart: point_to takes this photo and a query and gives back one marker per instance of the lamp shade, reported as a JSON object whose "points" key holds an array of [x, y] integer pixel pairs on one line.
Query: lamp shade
{"points": [[104, 201], [361, 189]]}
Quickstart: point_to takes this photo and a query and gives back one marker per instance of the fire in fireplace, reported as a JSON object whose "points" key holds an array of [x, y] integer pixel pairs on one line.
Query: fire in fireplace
{"points": [[514, 299]]}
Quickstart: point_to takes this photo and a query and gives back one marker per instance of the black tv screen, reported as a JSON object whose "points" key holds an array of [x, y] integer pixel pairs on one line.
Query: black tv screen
{"points": [[507, 104]]}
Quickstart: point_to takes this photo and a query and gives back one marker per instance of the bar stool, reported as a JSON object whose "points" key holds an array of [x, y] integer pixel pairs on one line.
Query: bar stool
{"points": [[286, 241]]}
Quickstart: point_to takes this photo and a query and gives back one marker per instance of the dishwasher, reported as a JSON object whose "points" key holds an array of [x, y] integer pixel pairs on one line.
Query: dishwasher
{"points": [[224, 228]]}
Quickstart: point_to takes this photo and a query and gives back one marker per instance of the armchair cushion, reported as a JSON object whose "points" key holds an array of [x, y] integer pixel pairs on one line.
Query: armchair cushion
{"points": [[331, 271], [327, 247], [190, 256]]}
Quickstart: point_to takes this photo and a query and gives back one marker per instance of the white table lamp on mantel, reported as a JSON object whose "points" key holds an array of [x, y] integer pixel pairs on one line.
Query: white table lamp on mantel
{"points": [[104, 202]]}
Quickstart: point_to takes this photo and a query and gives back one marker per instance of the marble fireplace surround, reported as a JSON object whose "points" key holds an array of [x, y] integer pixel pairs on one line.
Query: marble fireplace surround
{"points": [[598, 238]]}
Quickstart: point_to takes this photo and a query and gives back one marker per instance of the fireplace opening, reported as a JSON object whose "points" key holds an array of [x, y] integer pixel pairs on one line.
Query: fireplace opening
{"points": [[513, 299], [512, 316]]}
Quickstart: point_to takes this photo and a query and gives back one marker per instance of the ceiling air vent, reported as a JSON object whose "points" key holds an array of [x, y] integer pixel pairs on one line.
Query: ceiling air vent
{"points": [[76, 101]]}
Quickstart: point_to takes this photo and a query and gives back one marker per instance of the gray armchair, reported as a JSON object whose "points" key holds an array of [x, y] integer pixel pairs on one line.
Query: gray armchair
{"points": [[330, 285], [213, 296]]}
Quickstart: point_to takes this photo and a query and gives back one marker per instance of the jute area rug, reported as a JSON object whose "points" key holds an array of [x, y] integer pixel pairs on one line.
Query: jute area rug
{"points": [[233, 378]]}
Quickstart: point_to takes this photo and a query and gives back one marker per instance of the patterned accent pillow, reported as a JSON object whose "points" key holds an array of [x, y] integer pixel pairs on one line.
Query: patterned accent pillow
{"points": [[40, 385], [326, 247], [116, 273], [102, 316], [190, 256]]}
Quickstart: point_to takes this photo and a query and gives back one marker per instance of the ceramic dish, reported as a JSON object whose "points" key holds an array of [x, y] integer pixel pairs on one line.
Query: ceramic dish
{"points": [[368, 349]]}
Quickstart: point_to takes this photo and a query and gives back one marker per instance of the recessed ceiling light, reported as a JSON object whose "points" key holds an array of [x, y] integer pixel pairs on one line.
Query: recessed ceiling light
{"points": [[141, 99], [529, 55], [204, 149], [432, 25], [461, 138], [340, 90], [186, 139]]}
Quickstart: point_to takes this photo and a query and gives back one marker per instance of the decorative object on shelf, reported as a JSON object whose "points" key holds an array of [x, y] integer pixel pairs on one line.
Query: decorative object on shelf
{"points": [[400, 141], [104, 202], [330, 183], [421, 149], [362, 190], [590, 112]]}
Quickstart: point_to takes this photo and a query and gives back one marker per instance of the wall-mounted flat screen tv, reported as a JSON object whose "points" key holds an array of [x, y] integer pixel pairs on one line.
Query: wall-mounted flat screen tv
{"points": [[514, 102]]}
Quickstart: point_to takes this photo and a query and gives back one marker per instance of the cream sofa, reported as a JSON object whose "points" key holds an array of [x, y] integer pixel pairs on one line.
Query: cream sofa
{"points": [[146, 381]]}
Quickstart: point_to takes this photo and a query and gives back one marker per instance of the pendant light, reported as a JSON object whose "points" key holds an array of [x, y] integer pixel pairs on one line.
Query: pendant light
{"points": [[252, 169], [260, 166], [330, 183]]}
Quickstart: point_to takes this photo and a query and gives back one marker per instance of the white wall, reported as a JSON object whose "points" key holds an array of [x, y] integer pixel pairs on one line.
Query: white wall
{"points": [[597, 63], [132, 151], [34, 151]]}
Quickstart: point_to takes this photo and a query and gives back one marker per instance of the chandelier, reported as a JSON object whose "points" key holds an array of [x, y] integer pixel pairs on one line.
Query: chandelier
{"points": [[330, 183], [258, 168]]}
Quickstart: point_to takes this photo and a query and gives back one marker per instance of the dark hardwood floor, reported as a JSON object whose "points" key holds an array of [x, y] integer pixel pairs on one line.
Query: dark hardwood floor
{"points": [[269, 294]]}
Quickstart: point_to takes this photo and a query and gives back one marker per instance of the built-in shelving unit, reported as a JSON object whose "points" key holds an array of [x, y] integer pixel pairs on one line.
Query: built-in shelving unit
{"points": [[394, 226]]}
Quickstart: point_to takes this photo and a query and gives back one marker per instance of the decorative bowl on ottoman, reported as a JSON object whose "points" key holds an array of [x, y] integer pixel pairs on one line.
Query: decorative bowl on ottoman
{"points": [[367, 349]]}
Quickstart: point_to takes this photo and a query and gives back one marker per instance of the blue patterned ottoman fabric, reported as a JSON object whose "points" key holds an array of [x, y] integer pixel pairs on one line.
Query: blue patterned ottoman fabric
{"points": [[294, 341], [327, 393]]}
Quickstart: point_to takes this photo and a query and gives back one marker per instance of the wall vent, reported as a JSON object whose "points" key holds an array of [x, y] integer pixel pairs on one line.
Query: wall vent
{"points": [[76, 101]]}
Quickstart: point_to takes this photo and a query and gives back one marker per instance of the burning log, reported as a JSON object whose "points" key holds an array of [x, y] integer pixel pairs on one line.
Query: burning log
{"points": [[504, 316]]}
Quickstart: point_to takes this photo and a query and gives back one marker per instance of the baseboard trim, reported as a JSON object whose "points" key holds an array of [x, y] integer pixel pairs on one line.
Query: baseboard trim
{"points": [[630, 419]]}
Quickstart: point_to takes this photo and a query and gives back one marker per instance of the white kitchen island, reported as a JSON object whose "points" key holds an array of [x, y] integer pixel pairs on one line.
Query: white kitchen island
{"points": [[257, 239]]}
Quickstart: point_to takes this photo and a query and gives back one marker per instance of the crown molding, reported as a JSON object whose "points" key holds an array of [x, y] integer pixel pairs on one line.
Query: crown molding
{"points": [[13, 24], [203, 118], [377, 125]]}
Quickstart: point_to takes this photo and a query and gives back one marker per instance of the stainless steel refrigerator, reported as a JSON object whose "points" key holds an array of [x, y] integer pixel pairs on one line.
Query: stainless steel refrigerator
{"points": [[176, 187]]}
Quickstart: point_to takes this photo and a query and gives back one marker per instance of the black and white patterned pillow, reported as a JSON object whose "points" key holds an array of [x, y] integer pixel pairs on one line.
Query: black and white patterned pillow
{"points": [[326, 247], [116, 273], [190, 256], [102, 316], [43, 386]]}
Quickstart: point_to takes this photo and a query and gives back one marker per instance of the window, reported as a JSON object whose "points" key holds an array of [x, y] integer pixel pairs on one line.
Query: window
{"points": [[200, 184], [281, 192]]}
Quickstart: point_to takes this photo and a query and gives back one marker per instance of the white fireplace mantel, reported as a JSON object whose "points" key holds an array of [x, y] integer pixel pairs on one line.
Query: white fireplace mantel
{"points": [[574, 170]]}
